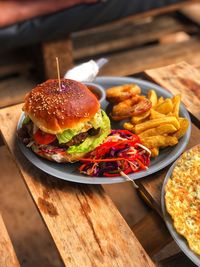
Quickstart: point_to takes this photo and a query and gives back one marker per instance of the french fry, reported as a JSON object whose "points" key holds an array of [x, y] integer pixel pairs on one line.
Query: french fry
{"points": [[184, 123], [176, 100], [129, 126], [154, 152], [152, 96], [163, 129], [149, 132], [156, 114], [142, 117], [160, 100], [166, 129], [165, 107], [159, 141], [158, 126], [139, 128]]}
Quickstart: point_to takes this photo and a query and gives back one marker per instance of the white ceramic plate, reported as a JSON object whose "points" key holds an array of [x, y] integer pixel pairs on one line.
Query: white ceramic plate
{"points": [[69, 171]]}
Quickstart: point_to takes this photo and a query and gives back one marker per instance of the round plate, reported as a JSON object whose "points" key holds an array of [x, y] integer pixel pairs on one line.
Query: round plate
{"points": [[180, 240], [69, 171]]}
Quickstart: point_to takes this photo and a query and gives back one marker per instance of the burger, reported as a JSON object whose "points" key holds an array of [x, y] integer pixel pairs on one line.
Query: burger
{"points": [[63, 121]]}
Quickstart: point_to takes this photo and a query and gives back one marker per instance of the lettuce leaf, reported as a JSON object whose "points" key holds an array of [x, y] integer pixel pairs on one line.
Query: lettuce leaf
{"points": [[67, 135], [91, 142], [26, 120]]}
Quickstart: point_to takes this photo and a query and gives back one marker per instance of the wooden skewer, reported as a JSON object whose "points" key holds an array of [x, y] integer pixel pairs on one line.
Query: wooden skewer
{"points": [[128, 179], [58, 72]]}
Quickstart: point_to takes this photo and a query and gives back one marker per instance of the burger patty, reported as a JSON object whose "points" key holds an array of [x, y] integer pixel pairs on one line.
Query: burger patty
{"points": [[25, 134], [79, 138]]}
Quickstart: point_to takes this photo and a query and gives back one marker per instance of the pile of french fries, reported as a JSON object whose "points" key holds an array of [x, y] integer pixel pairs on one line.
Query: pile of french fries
{"points": [[161, 125]]}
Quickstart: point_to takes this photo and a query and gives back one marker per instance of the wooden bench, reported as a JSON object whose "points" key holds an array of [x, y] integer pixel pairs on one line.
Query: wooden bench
{"points": [[8, 257]]}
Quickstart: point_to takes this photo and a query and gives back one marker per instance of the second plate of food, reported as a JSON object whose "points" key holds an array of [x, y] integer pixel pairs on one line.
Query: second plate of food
{"points": [[180, 203], [70, 171]]}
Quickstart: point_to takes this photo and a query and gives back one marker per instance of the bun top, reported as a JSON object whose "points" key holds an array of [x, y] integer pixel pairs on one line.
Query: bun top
{"points": [[55, 109]]}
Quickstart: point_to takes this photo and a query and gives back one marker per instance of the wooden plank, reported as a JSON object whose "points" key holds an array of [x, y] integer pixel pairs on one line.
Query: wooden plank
{"points": [[128, 34], [31, 240], [153, 56], [16, 62], [179, 259], [158, 237], [8, 257], [192, 12], [180, 78], [195, 62], [150, 13], [61, 49], [14, 68], [176, 37], [13, 90], [84, 223], [152, 186]]}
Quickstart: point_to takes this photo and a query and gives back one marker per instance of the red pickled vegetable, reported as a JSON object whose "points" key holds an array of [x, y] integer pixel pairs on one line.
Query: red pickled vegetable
{"points": [[121, 152]]}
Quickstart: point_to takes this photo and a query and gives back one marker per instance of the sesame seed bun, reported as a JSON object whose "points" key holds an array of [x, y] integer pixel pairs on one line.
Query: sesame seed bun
{"points": [[53, 109]]}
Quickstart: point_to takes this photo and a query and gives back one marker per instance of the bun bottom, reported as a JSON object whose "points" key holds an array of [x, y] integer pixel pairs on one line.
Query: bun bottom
{"points": [[57, 156]]}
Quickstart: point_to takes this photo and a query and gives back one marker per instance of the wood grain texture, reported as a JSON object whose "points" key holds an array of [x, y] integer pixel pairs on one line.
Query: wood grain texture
{"points": [[16, 62], [157, 237], [84, 223], [153, 12], [7, 254], [180, 78], [152, 56], [152, 186], [13, 90], [126, 35], [192, 12], [61, 49], [179, 259]]}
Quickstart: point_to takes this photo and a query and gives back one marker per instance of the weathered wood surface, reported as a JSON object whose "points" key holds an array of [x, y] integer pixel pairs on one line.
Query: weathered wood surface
{"points": [[84, 223], [15, 62], [152, 56], [7, 254], [192, 12], [109, 38], [154, 12], [180, 78], [61, 49], [176, 37], [157, 237], [180, 259], [13, 90]]}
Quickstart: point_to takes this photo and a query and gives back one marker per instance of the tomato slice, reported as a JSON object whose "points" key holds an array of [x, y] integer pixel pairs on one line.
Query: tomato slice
{"points": [[42, 138]]}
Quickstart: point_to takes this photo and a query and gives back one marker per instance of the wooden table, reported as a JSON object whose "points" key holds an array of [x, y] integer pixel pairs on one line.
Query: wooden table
{"points": [[85, 225]]}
